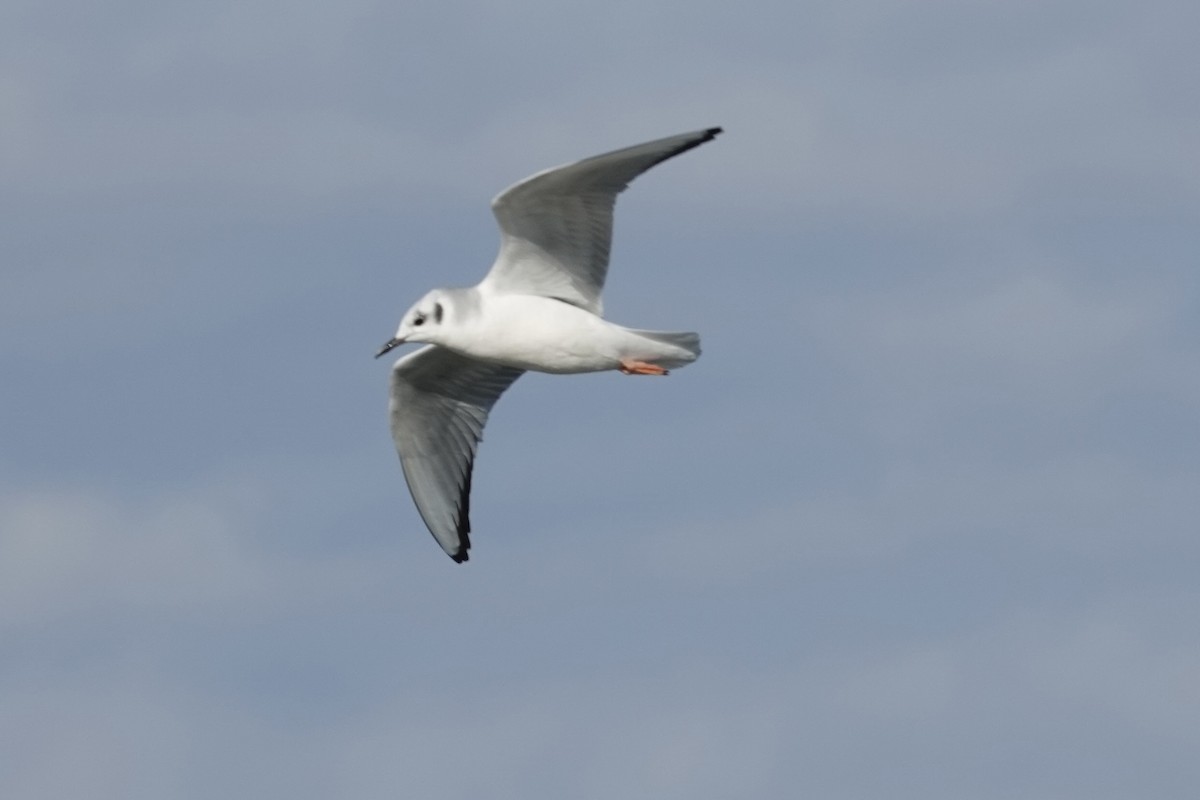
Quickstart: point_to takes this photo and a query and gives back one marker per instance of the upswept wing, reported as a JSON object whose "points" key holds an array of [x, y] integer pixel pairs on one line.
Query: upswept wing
{"points": [[556, 226], [439, 404]]}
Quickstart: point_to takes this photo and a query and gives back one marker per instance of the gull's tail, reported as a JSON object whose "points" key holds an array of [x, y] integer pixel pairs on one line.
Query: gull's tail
{"points": [[681, 347]]}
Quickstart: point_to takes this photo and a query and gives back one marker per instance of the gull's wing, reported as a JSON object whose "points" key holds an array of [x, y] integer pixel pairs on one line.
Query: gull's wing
{"points": [[556, 226], [439, 404]]}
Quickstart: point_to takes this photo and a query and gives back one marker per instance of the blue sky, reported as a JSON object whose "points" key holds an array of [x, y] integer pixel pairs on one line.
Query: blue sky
{"points": [[921, 523]]}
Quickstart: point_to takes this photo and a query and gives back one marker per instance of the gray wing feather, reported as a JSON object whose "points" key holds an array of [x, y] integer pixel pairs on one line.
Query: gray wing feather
{"points": [[556, 226], [439, 404]]}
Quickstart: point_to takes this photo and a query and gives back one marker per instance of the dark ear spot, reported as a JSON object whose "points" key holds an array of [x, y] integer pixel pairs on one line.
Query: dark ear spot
{"points": [[437, 313]]}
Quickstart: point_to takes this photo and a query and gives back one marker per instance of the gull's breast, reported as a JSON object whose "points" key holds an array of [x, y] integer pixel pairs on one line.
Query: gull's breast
{"points": [[541, 334]]}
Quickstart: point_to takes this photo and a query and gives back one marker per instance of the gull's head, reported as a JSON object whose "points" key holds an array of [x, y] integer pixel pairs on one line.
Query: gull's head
{"points": [[422, 322]]}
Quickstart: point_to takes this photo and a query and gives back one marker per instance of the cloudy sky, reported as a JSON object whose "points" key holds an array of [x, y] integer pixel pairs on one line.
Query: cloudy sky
{"points": [[921, 523]]}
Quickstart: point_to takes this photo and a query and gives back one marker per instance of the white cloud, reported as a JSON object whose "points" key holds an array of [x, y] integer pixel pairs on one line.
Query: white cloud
{"points": [[931, 714], [664, 737], [71, 552], [1024, 339], [72, 738], [1095, 507], [229, 546], [819, 131], [1122, 662], [698, 723]]}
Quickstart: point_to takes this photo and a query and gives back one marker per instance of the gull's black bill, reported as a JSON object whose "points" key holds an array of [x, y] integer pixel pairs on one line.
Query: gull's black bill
{"points": [[390, 345]]}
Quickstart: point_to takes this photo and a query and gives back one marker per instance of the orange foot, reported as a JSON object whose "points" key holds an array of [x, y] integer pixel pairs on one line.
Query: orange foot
{"points": [[631, 367]]}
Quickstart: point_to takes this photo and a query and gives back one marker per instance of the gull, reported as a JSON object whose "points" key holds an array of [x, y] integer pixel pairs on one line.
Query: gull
{"points": [[538, 308]]}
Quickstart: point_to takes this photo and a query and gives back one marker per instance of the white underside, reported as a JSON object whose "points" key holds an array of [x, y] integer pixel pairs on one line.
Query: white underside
{"points": [[537, 333]]}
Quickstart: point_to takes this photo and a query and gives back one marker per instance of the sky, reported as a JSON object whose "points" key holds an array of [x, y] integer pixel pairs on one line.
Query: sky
{"points": [[921, 522]]}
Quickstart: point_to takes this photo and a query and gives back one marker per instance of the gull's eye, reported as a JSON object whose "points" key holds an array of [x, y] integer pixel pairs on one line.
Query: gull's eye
{"points": [[419, 320]]}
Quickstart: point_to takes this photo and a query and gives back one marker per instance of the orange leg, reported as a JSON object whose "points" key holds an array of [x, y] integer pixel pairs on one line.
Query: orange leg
{"points": [[630, 366]]}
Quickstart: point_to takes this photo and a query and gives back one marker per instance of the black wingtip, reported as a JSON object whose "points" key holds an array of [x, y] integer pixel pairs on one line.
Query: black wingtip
{"points": [[706, 136], [464, 516], [464, 544]]}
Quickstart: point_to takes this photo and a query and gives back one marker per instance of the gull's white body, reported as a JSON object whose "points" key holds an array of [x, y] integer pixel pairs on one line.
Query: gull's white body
{"points": [[538, 308], [544, 335]]}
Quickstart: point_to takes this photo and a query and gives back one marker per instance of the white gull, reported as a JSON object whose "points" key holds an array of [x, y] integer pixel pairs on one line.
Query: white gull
{"points": [[538, 308]]}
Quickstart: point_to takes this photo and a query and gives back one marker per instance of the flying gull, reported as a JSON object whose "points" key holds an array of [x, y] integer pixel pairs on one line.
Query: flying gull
{"points": [[538, 308]]}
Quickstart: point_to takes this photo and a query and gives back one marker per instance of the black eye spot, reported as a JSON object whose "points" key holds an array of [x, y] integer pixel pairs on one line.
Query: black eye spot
{"points": [[437, 313], [419, 320]]}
